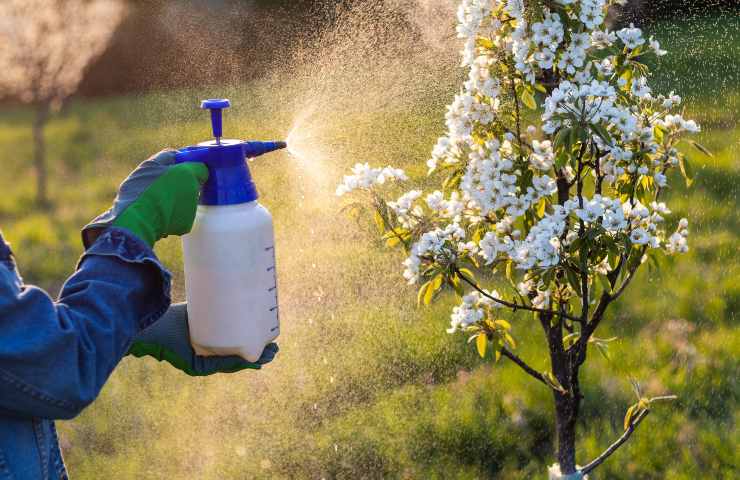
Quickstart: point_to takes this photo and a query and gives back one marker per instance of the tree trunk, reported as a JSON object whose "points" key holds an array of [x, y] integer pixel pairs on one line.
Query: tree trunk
{"points": [[565, 369], [566, 414], [39, 153]]}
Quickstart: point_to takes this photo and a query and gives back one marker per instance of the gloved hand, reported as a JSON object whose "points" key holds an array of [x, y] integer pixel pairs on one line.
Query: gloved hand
{"points": [[169, 339], [158, 199]]}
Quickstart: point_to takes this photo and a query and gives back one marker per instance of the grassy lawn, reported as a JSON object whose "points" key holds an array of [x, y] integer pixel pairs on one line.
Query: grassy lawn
{"points": [[366, 384]]}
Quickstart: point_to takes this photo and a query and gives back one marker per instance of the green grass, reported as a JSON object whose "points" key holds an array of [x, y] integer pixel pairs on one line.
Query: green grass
{"points": [[366, 384]]}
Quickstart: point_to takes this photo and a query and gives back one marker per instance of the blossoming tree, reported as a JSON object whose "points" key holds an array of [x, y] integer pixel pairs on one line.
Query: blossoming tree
{"points": [[45, 47], [551, 171]]}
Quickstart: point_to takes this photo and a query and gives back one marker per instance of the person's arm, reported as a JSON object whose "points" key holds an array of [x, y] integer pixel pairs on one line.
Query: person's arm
{"points": [[56, 356]]}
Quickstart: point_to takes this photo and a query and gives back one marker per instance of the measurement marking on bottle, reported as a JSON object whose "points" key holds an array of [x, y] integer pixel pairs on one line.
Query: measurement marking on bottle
{"points": [[274, 308], [269, 248], [272, 289], [270, 269]]}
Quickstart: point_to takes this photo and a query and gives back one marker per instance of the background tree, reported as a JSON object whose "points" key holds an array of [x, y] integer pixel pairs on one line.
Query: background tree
{"points": [[45, 46], [550, 176]]}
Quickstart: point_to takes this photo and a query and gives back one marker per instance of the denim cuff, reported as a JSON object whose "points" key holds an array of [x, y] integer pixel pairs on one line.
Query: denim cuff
{"points": [[127, 247], [6, 255]]}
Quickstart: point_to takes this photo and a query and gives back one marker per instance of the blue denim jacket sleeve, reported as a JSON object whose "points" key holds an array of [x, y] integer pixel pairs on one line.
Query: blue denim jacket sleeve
{"points": [[55, 356]]}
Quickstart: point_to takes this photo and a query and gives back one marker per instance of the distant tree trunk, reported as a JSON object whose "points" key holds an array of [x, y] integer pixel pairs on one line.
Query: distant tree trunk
{"points": [[39, 153]]}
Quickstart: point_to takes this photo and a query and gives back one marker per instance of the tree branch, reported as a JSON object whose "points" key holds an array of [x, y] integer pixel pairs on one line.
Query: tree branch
{"points": [[513, 306], [614, 446], [531, 371]]}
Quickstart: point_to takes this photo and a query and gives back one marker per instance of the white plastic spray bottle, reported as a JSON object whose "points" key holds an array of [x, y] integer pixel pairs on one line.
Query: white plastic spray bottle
{"points": [[230, 277]]}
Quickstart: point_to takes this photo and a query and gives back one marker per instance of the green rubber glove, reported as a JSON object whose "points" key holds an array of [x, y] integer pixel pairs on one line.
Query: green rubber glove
{"points": [[169, 340], [168, 206], [158, 199]]}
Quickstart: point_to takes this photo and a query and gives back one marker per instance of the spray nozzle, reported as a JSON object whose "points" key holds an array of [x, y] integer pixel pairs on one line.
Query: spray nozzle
{"points": [[215, 105], [255, 149]]}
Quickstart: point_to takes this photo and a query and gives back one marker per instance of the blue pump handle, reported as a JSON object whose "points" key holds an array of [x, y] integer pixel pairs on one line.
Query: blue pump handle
{"points": [[216, 105]]}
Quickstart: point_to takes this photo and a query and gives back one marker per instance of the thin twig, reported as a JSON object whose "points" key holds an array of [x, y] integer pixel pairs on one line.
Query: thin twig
{"points": [[514, 306], [614, 446], [531, 371]]}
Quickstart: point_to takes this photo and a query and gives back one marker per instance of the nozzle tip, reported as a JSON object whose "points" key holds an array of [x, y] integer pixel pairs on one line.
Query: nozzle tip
{"points": [[281, 144]]}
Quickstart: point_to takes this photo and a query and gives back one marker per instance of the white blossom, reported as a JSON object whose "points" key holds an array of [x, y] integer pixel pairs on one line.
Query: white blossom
{"points": [[471, 310], [542, 157], [363, 176], [403, 208], [655, 47], [603, 39], [631, 37], [639, 236], [592, 13], [640, 88], [660, 179], [678, 241]]}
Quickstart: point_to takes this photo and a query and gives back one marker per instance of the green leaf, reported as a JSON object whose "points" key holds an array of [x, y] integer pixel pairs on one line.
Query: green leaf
{"points": [[573, 280], [457, 285], [502, 324], [468, 274], [510, 340], [604, 281], [601, 132], [379, 222], [659, 134], [422, 293], [541, 208], [528, 99], [486, 43], [477, 235], [628, 416], [553, 382], [627, 75], [434, 286], [561, 137], [603, 349], [573, 138], [701, 148], [686, 170], [482, 343], [613, 257], [562, 159], [570, 339]]}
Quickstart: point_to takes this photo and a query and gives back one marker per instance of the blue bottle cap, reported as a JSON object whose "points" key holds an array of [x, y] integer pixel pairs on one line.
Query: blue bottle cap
{"points": [[229, 181]]}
